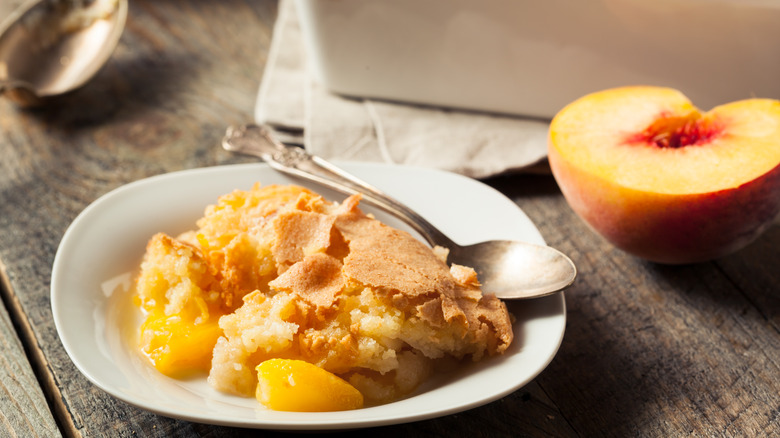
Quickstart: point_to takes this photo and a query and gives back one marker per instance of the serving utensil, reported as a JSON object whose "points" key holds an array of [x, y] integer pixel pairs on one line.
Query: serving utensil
{"points": [[508, 269], [51, 47]]}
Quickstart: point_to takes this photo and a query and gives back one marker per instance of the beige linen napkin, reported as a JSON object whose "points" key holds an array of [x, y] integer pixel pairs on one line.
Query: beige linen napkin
{"points": [[338, 128]]}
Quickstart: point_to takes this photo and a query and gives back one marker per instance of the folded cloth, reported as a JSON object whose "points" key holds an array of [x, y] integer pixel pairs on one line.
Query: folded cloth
{"points": [[335, 127]]}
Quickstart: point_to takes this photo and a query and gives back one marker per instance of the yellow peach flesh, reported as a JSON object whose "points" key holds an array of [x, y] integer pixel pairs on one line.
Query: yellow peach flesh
{"points": [[608, 119], [296, 385], [177, 346]]}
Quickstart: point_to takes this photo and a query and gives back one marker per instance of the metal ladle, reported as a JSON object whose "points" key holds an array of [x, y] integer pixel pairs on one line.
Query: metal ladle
{"points": [[508, 269], [51, 47]]}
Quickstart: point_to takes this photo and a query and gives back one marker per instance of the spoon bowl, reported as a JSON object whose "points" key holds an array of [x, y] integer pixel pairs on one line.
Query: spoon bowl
{"points": [[516, 270], [51, 47], [508, 269]]}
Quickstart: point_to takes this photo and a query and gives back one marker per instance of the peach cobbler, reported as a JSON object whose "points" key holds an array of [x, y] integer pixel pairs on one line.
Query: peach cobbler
{"points": [[278, 285]]}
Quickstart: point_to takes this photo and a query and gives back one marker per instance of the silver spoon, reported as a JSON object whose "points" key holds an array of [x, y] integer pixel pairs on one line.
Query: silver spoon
{"points": [[51, 47], [508, 269]]}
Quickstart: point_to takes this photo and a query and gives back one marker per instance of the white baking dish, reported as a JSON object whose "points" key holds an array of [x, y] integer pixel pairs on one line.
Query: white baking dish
{"points": [[531, 57]]}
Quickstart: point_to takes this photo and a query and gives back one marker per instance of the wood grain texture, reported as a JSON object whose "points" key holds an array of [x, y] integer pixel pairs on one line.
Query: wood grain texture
{"points": [[24, 411], [654, 350], [650, 350]]}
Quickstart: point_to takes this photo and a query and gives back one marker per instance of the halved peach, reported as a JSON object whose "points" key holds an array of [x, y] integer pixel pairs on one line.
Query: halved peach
{"points": [[662, 180]]}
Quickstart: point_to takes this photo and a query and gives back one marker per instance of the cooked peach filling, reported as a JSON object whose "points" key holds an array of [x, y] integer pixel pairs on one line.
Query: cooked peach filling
{"points": [[176, 345], [177, 291], [278, 272], [296, 385]]}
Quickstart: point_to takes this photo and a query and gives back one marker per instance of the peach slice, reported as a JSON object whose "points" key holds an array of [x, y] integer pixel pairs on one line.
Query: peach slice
{"points": [[297, 385], [664, 181], [177, 346]]}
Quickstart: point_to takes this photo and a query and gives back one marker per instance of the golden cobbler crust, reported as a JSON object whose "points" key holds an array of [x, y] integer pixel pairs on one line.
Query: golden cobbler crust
{"points": [[300, 277]]}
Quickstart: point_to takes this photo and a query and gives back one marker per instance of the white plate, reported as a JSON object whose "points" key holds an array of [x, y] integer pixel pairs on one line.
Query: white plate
{"points": [[103, 246]]}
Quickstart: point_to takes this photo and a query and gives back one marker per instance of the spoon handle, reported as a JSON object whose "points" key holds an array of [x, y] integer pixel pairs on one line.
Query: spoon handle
{"points": [[258, 141]]}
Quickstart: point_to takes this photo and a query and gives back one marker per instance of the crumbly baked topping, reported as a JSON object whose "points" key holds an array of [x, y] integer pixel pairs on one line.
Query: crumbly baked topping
{"points": [[289, 274]]}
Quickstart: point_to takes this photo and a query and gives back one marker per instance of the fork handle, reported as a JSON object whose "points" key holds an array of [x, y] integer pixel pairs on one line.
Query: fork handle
{"points": [[258, 141]]}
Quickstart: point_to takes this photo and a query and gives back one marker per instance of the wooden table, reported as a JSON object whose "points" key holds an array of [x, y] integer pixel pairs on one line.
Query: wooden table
{"points": [[649, 350]]}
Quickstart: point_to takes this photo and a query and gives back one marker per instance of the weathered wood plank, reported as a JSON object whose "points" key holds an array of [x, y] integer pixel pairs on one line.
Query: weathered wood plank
{"points": [[24, 411]]}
